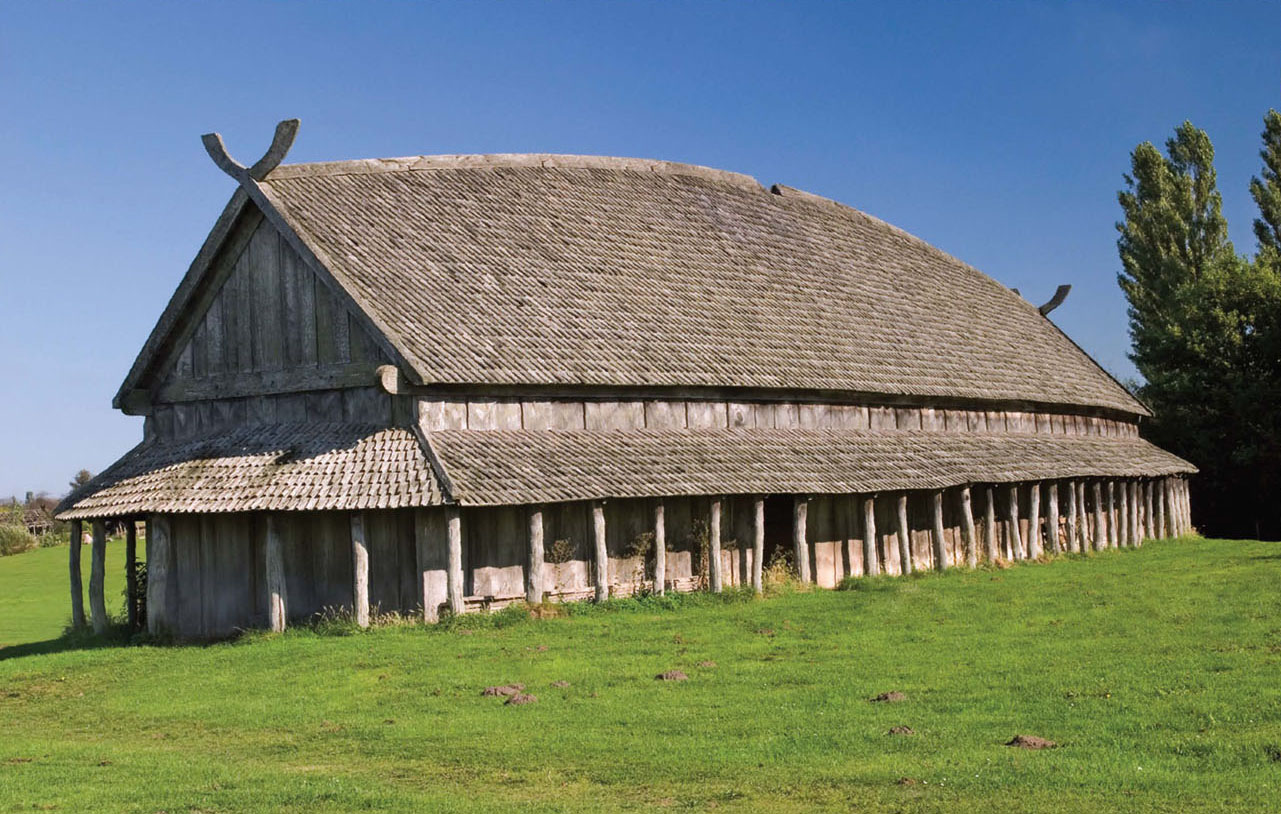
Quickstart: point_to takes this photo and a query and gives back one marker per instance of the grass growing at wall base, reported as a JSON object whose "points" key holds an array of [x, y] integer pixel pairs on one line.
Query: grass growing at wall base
{"points": [[1156, 670]]}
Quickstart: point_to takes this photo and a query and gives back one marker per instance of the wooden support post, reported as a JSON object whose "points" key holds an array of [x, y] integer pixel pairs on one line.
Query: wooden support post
{"points": [[660, 549], [714, 565], [758, 544], [534, 571], [1100, 522], [359, 570], [1052, 518], [1034, 521], [800, 544], [989, 527], [1162, 529], [159, 555], [97, 578], [903, 532], [1083, 522], [1124, 514], [937, 537], [131, 573], [1016, 537], [1113, 537], [277, 601], [1136, 515], [602, 551], [871, 566], [1148, 517], [77, 583], [1071, 517], [1185, 490], [967, 529], [454, 559]]}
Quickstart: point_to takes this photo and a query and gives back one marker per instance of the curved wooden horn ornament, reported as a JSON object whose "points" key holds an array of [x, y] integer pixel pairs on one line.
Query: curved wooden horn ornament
{"points": [[1060, 295], [286, 132]]}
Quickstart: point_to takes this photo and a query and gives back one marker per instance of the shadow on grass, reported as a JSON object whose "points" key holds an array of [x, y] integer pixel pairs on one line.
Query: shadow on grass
{"points": [[116, 636]]}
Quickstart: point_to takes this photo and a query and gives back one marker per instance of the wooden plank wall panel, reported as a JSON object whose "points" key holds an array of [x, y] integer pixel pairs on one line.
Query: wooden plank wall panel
{"points": [[392, 560], [329, 541], [494, 538], [566, 530], [268, 331], [186, 543], [682, 547], [625, 522]]}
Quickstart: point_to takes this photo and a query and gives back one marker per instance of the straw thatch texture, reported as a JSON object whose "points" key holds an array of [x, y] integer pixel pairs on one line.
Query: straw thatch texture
{"points": [[274, 467], [542, 270], [500, 467]]}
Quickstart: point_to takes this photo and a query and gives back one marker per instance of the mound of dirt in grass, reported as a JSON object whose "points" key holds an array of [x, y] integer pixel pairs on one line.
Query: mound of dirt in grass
{"points": [[671, 675], [891, 697], [503, 690], [901, 730], [1031, 742], [521, 698]]}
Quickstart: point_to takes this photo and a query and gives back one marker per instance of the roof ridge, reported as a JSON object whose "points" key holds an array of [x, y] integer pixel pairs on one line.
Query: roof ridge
{"points": [[452, 161]]}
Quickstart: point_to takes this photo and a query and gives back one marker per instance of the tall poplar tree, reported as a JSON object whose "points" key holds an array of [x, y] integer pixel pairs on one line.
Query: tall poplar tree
{"points": [[1205, 325]]}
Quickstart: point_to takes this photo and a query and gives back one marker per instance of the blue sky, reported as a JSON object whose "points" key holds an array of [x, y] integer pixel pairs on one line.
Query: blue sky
{"points": [[996, 131]]}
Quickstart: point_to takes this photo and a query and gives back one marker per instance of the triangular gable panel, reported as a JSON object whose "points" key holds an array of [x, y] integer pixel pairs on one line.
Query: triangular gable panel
{"points": [[264, 318]]}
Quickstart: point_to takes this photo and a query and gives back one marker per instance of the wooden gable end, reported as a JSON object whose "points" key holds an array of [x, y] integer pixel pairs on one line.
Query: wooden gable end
{"points": [[267, 323]]}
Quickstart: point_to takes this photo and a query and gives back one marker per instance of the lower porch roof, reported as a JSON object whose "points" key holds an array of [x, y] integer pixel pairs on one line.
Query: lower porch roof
{"points": [[301, 467]]}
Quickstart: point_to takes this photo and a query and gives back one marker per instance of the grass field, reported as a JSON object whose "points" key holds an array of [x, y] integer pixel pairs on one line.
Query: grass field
{"points": [[1158, 671]]}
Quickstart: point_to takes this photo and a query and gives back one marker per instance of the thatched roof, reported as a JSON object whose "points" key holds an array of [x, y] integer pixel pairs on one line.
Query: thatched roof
{"points": [[568, 270]]}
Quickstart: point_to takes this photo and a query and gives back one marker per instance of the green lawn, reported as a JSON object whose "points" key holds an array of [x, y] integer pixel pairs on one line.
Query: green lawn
{"points": [[35, 599], [1157, 670]]}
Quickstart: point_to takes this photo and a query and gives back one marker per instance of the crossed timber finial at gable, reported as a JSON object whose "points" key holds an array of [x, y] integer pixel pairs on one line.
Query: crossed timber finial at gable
{"points": [[286, 131]]}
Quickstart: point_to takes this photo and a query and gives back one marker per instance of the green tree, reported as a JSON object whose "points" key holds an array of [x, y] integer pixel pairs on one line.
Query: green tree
{"points": [[1266, 192], [1204, 323]]}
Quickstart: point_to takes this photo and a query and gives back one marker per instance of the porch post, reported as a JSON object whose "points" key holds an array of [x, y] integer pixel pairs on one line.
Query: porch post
{"points": [[937, 534], [534, 572], [758, 544], [800, 506], [714, 546], [1034, 521], [989, 527], [1052, 518], [1072, 542], [359, 570], [77, 584], [277, 601], [871, 566], [903, 532], [1016, 537], [454, 567], [660, 548], [131, 572], [967, 529], [97, 576], [602, 551]]}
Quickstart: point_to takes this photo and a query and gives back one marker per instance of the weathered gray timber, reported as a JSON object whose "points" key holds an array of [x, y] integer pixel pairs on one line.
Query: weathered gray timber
{"points": [[1149, 508], [1034, 522], [1111, 509], [990, 536], [714, 574], [903, 534], [454, 571], [601, 558], [800, 545], [1100, 521], [1123, 515], [938, 536], [871, 560], [758, 544], [968, 541], [660, 550], [1052, 518], [77, 586], [97, 576], [1073, 543], [534, 572], [131, 574], [159, 561], [1012, 529], [1083, 523], [277, 596], [359, 569]]}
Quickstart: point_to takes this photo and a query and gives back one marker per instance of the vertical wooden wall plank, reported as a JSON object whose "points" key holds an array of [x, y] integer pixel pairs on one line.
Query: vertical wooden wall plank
{"points": [[968, 541], [534, 568], [277, 601], [360, 570], [660, 548]]}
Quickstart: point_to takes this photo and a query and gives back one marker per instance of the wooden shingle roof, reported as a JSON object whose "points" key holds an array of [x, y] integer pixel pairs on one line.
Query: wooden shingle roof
{"points": [[285, 467], [520, 466], [562, 270]]}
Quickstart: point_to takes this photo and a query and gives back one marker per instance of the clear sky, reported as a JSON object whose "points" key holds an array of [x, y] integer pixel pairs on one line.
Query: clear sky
{"points": [[996, 131]]}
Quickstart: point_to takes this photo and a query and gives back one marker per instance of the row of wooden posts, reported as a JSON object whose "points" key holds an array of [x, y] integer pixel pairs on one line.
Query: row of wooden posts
{"points": [[1099, 514]]}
